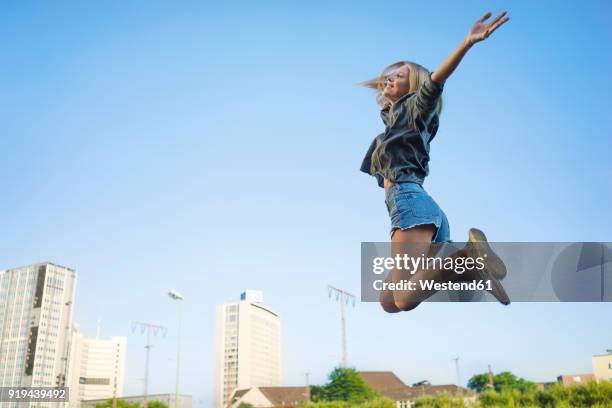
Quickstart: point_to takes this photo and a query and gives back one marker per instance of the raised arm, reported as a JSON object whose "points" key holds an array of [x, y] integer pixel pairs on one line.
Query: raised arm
{"points": [[479, 31]]}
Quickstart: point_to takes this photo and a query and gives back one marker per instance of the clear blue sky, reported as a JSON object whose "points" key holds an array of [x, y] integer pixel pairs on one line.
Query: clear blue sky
{"points": [[211, 148]]}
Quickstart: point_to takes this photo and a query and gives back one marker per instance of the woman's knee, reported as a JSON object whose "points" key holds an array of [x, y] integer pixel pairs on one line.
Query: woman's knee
{"points": [[405, 305], [389, 307], [387, 302], [394, 306]]}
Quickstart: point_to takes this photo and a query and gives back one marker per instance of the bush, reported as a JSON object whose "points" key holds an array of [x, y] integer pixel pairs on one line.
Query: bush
{"points": [[374, 403], [589, 395], [125, 404], [441, 401]]}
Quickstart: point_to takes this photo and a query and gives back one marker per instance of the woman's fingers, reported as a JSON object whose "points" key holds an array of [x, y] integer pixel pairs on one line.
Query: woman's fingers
{"points": [[497, 25], [487, 15], [482, 30], [496, 19]]}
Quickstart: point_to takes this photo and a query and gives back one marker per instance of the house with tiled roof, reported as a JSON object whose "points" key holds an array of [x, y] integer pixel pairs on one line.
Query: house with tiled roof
{"points": [[270, 397], [388, 385]]}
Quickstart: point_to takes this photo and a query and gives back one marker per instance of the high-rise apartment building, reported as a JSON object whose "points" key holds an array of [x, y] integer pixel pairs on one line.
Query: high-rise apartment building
{"points": [[36, 306], [97, 368], [247, 346]]}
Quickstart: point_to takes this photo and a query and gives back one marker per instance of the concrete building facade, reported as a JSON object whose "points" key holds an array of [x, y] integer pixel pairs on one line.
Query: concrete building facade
{"points": [[97, 369], [247, 347], [36, 311], [602, 367]]}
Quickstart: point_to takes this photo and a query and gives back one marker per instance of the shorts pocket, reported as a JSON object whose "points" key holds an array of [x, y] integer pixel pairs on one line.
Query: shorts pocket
{"points": [[390, 195], [417, 204]]}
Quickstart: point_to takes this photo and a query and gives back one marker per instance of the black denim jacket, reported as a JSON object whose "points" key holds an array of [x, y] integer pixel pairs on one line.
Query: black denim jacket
{"points": [[401, 153]]}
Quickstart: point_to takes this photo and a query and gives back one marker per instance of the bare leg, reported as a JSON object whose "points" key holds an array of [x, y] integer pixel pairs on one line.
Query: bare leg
{"points": [[416, 242], [413, 243], [419, 237]]}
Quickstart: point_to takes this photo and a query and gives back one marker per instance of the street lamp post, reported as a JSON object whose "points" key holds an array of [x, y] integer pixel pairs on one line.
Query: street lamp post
{"points": [[176, 296]]}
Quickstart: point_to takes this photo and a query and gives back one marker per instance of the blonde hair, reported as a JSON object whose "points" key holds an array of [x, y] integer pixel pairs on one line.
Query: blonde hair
{"points": [[417, 75]]}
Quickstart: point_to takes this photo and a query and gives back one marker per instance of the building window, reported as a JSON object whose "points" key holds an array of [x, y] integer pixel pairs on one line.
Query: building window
{"points": [[97, 381]]}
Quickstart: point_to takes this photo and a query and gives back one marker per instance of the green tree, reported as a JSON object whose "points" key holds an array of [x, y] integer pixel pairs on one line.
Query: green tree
{"points": [[502, 381], [120, 404], [156, 404], [505, 381], [479, 382], [245, 405], [508, 381], [345, 384], [317, 393]]}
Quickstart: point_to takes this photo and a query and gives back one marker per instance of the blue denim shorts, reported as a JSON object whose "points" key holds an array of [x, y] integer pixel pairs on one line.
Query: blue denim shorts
{"points": [[409, 205]]}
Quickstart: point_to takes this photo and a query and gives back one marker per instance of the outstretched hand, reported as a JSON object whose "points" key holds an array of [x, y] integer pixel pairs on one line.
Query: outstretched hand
{"points": [[481, 30]]}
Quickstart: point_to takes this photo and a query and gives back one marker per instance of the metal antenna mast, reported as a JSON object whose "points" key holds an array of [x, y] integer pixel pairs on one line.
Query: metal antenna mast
{"points": [[307, 375], [456, 359], [343, 297], [148, 327], [490, 375]]}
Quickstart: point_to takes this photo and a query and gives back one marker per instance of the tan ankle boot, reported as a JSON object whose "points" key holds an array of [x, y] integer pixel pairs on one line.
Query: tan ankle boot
{"points": [[478, 245], [494, 269]]}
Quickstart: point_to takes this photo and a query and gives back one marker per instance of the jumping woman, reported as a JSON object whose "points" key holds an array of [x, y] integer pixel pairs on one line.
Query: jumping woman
{"points": [[411, 100]]}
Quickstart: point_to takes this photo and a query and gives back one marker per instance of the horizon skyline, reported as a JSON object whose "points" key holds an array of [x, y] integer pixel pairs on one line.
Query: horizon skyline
{"points": [[77, 325]]}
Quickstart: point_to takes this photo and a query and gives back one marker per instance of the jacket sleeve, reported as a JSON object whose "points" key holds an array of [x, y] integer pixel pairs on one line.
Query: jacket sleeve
{"points": [[380, 180], [366, 164], [425, 101]]}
